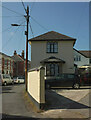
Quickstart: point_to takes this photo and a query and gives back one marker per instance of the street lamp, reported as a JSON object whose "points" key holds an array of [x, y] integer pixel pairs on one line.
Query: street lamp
{"points": [[17, 25]]}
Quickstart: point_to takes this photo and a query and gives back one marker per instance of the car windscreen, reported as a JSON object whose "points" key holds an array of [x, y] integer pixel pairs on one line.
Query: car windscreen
{"points": [[6, 76], [20, 77]]}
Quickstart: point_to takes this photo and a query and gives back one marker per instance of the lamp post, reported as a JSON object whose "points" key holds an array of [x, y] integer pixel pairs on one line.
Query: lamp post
{"points": [[26, 33]]}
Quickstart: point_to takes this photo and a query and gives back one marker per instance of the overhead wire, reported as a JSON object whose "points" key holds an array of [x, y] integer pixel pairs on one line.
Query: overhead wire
{"points": [[32, 7], [31, 30], [24, 6], [9, 39], [11, 16], [80, 20], [8, 28], [39, 23], [11, 10], [12, 36], [21, 41]]}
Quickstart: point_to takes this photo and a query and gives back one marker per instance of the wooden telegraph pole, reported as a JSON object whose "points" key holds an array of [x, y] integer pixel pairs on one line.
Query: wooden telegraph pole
{"points": [[26, 33]]}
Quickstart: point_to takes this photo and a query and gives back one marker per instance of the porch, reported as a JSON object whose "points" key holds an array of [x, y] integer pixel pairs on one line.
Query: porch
{"points": [[53, 66]]}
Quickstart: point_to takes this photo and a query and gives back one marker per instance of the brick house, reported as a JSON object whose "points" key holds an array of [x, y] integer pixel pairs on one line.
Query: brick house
{"points": [[6, 64], [19, 64], [13, 65]]}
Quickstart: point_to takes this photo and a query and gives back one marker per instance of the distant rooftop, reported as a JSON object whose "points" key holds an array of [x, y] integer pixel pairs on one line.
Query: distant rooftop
{"points": [[87, 53], [5, 55]]}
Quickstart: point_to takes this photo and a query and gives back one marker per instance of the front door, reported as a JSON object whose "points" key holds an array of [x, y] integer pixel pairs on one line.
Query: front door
{"points": [[52, 69]]}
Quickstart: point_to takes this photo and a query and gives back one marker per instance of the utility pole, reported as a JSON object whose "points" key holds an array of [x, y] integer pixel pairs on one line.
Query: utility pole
{"points": [[26, 33]]}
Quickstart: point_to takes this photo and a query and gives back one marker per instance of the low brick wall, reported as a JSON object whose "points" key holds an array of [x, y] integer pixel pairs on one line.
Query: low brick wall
{"points": [[36, 86]]}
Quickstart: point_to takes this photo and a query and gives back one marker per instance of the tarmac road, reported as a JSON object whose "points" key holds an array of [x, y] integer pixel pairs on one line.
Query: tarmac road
{"points": [[13, 104]]}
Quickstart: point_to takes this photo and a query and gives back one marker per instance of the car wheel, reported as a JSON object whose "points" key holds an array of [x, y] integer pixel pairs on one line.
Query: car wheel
{"points": [[76, 86], [5, 83]]}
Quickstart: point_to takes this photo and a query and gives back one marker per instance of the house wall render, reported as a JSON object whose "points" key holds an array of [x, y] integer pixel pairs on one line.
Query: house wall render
{"points": [[65, 52]]}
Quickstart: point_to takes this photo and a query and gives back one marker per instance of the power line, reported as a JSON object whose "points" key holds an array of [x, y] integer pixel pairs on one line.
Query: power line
{"points": [[11, 10], [24, 6], [31, 30], [39, 23], [21, 41], [32, 7], [11, 16], [6, 29], [12, 36], [80, 20]]}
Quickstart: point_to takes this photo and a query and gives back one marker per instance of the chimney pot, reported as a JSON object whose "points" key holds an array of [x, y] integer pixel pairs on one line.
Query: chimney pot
{"points": [[15, 52], [23, 54]]}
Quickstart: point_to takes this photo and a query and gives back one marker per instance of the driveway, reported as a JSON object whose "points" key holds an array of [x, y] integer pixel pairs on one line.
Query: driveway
{"points": [[68, 103]]}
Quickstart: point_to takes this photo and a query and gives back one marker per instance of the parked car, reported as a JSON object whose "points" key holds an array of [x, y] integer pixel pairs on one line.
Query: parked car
{"points": [[63, 80], [85, 79], [15, 80], [18, 79], [21, 79], [6, 79]]}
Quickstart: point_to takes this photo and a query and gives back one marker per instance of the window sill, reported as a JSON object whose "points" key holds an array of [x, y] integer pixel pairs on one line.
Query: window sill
{"points": [[51, 52]]}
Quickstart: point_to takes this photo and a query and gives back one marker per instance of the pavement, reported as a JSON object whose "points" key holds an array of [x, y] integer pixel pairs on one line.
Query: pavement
{"points": [[68, 103], [60, 103]]}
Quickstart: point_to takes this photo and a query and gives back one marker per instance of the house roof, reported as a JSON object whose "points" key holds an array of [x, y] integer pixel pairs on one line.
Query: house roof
{"points": [[87, 53], [52, 35], [52, 59], [5, 55], [17, 58]]}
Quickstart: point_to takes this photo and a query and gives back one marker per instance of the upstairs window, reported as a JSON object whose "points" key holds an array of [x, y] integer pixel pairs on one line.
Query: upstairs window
{"points": [[52, 47], [77, 58]]}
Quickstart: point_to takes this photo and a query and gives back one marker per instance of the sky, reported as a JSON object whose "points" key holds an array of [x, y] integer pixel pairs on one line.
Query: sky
{"points": [[68, 18]]}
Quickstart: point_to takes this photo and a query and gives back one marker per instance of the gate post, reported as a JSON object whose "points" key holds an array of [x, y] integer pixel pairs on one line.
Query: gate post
{"points": [[42, 87]]}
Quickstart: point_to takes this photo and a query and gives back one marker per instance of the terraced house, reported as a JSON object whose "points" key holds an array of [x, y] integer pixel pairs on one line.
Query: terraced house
{"points": [[19, 64], [6, 64], [54, 51], [13, 65]]}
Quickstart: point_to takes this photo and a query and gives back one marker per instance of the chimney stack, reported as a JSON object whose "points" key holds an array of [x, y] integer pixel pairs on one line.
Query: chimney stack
{"points": [[23, 54], [15, 52]]}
